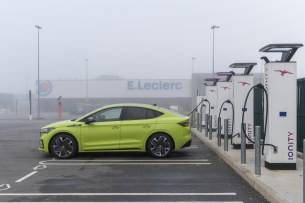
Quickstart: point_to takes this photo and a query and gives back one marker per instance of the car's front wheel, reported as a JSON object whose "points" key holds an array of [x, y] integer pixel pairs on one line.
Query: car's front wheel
{"points": [[63, 146], [160, 145]]}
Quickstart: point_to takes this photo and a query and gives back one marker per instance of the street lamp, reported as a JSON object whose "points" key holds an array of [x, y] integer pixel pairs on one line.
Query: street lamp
{"points": [[193, 65], [38, 82], [87, 80], [213, 28]]}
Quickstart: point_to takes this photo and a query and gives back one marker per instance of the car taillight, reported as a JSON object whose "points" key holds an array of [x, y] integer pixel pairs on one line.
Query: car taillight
{"points": [[184, 124]]}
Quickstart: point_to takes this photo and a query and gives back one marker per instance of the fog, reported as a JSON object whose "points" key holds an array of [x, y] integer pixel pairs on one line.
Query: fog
{"points": [[139, 39]]}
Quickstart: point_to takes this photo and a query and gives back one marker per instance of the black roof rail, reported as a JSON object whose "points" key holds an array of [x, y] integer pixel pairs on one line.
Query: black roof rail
{"points": [[247, 66], [287, 50], [227, 74], [214, 80]]}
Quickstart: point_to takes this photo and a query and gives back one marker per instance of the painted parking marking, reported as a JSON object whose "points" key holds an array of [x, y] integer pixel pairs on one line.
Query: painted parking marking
{"points": [[164, 202], [26, 176], [4, 187], [125, 162], [119, 194], [39, 167]]}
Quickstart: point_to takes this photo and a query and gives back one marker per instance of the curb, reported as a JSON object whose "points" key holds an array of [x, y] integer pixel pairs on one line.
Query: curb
{"points": [[247, 175]]}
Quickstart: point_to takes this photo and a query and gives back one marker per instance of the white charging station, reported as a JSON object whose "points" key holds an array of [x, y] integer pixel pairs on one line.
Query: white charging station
{"points": [[280, 83], [225, 92], [211, 97], [242, 83]]}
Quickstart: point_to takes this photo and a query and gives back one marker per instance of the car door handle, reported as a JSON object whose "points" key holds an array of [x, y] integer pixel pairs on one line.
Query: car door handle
{"points": [[115, 127], [146, 126]]}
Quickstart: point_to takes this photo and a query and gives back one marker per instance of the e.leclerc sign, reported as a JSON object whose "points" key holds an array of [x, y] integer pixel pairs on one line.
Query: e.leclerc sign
{"points": [[157, 85]]}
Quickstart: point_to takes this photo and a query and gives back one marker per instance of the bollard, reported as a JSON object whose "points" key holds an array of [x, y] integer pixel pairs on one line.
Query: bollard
{"points": [[200, 122], [198, 116], [206, 125], [219, 132], [257, 134], [226, 140], [210, 127], [243, 145], [193, 120]]}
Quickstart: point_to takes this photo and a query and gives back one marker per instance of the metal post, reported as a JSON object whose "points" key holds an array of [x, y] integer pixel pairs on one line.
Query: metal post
{"points": [[206, 124], [210, 127], [16, 107], [219, 132], [87, 80], [193, 120], [243, 145], [226, 141], [200, 122], [198, 117], [257, 134], [38, 82]]}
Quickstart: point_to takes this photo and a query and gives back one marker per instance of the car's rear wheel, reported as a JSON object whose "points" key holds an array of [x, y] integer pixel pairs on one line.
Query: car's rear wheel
{"points": [[63, 146], [159, 145]]}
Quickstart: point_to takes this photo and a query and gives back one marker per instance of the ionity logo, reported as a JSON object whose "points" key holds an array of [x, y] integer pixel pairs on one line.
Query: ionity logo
{"points": [[244, 83], [283, 72]]}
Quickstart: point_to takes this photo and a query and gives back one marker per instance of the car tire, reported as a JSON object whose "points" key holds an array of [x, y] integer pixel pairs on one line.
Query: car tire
{"points": [[63, 146], [160, 145]]}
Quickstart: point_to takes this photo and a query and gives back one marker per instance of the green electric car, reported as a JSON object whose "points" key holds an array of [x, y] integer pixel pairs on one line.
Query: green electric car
{"points": [[118, 128]]}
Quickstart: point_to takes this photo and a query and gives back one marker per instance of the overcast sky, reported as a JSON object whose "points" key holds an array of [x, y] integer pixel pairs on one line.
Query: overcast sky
{"points": [[139, 39]]}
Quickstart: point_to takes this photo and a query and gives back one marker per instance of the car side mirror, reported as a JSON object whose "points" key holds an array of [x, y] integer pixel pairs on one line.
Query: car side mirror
{"points": [[89, 120]]}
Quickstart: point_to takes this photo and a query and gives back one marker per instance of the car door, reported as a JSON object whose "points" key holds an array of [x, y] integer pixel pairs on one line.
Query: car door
{"points": [[136, 125], [102, 131]]}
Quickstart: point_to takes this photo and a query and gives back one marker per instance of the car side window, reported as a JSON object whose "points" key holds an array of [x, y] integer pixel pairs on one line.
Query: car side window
{"points": [[112, 114], [135, 113], [139, 113]]}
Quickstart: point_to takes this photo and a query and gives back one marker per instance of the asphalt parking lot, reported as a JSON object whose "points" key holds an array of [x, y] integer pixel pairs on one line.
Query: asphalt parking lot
{"points": [[191, 174]]}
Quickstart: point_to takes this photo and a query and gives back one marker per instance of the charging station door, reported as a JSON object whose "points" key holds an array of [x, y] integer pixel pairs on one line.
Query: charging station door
{"points": [[241, 86], [211, 95], [225, 92], [280, 82]]}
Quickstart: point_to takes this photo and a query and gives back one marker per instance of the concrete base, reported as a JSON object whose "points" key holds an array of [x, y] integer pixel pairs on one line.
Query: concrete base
{"points": [[238, 146], [281, 166]]}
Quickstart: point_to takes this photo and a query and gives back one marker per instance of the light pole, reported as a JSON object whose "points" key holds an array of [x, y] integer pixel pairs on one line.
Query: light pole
{"points": [[193, 65], [87, 80], [213, 28], [38, 82]]}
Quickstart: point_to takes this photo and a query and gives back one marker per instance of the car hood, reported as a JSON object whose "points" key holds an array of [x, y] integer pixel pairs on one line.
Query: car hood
{"points": [[61, 124]]}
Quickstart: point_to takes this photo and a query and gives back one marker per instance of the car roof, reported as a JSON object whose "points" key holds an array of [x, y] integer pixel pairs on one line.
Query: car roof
{"points": [[133, 104]]}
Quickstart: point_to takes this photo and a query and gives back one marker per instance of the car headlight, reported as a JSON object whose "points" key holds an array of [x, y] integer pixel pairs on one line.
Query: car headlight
{"points": [[46, 130]]}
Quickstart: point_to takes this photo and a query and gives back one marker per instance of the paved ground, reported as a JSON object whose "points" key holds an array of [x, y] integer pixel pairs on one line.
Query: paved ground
{"points": [[191, 174]]}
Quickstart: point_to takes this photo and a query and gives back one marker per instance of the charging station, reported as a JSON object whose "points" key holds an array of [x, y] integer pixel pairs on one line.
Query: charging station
{"points": [[242, 83], [225, 93], [280, 83], [211, 97]]}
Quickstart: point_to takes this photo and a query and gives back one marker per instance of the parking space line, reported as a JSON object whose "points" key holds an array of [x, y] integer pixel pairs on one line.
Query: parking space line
{"points": [[25, 177], [123, 164], [163, 202], [125, 160], [119, 194]]}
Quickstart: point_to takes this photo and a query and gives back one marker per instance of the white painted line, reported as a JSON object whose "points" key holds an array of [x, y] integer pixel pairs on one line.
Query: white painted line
{"points": [[118, 194], [4, 187], [125, 160], [122, 164], [25, 177], [39, 167], [155, 202]]}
